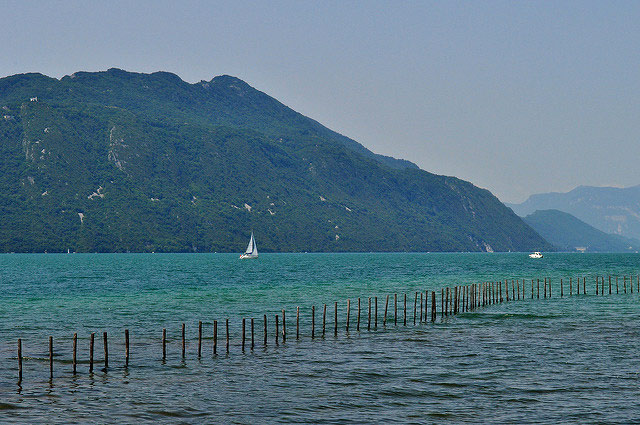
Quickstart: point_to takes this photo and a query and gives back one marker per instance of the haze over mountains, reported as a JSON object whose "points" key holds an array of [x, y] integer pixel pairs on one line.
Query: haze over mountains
{"points": [[117, 161], [568, 233], [609, 209]]}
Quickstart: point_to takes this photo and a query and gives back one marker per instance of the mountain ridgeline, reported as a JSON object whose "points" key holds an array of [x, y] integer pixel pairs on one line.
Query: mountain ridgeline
{"points": [[117, 161]]}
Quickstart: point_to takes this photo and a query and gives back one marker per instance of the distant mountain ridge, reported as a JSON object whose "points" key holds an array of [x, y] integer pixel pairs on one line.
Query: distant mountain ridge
{"points": [[117, 161], [612, 210], [568, 233]]}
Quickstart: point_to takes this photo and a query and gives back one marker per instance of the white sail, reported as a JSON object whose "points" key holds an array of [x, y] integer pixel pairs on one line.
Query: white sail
{"points": [[252, 249]]}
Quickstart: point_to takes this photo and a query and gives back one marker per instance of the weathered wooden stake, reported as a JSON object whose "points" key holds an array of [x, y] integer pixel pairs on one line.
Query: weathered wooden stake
{"points": [[609, 285], [183, 341], [415, 309], [265, 330], [561, 289], [298, 322], [19, 361], [433, 306], [369, 322], [106, 350], [617, 292], [405, 309], [549, 287], [75, 352], [395, 309], [518, 284], [50, 357], [126, 348], [386, 306], [243, 329], [570, 286], [442, 313], [375, 316], [358, 322], [252, 341], [421, 302], [348, 313], [545, 287], [584, 285], [284, 328], [597, 284], [91, 344], [215, 337], [313, 321], [324, 319], [228, 336], [335, 319], [277, 331], [199, 338]]}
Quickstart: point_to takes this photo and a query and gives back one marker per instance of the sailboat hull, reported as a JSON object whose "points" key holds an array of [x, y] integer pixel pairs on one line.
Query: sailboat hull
{"points": [[248, 256]]}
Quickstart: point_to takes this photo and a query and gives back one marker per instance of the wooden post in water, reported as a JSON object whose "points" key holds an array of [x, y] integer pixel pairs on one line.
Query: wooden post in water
{"points": [[369, 321], [584, 285], [415, 309], [395, 309], [545, 287], [348, 314], [324, 319], [405, 309], [518, 284], [91, 344], [602, 288], [277, 331], [617, 292], [384, 320], [597, 284], [561, 289], [264, 332], [20, 361], [358, 322], [215, 337], [578, 287], [243, 332], [284, 328], [126, 349], [75, 351], [375, 311], [538, 288], [570, 286], [513, 290], [455, 300], [335, 319], [609, 285], [549, 287], [625, 284], [421, 316], [433, 306], [50, 357], [199, 338], [252, 341], [500, 290], [298, 322], [313, 321], [106, 350], [183, 341], [228, 337]]}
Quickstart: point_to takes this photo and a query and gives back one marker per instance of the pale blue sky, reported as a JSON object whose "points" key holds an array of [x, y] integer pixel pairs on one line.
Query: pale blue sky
{"points": [[517, 97]]}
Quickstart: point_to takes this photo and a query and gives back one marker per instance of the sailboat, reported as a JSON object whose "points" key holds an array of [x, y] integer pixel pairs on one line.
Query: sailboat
{"points": [[252, 249]]}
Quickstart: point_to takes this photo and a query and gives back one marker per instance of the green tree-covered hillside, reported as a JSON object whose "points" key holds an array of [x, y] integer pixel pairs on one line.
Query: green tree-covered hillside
{"points": [[116, 161]]}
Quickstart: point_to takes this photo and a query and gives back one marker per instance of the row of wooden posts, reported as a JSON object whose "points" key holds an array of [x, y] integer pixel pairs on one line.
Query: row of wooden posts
{"points": [[459, 299]]}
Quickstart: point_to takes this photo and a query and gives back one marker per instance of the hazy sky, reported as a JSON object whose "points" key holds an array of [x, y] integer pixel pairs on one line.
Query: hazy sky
{"points": [[517, 97]]}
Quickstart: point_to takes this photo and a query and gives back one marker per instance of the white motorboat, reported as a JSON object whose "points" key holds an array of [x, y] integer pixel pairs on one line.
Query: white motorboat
{"points": [[536, 254]]}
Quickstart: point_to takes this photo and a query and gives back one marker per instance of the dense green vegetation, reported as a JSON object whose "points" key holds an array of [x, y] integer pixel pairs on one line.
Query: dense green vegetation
{"points": [[116, 161], [568, 233]]}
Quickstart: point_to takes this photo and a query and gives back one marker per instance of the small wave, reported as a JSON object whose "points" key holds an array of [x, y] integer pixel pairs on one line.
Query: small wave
{"points": [[9, 406]]}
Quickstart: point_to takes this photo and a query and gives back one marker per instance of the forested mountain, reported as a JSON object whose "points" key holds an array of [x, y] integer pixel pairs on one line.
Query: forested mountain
{"points": [[568, 233], [117, 161], [610, 209]]}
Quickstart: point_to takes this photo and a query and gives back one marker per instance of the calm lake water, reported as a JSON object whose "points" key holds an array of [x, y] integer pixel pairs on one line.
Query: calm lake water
{"points": [[574, 359]]}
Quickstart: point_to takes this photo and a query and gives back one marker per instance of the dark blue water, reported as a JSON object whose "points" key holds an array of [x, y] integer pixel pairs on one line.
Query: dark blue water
{"points": [[574, 359]]}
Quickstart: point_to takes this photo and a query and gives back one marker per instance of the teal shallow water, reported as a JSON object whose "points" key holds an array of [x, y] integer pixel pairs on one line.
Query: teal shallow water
{"points": [[571, 359]]}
